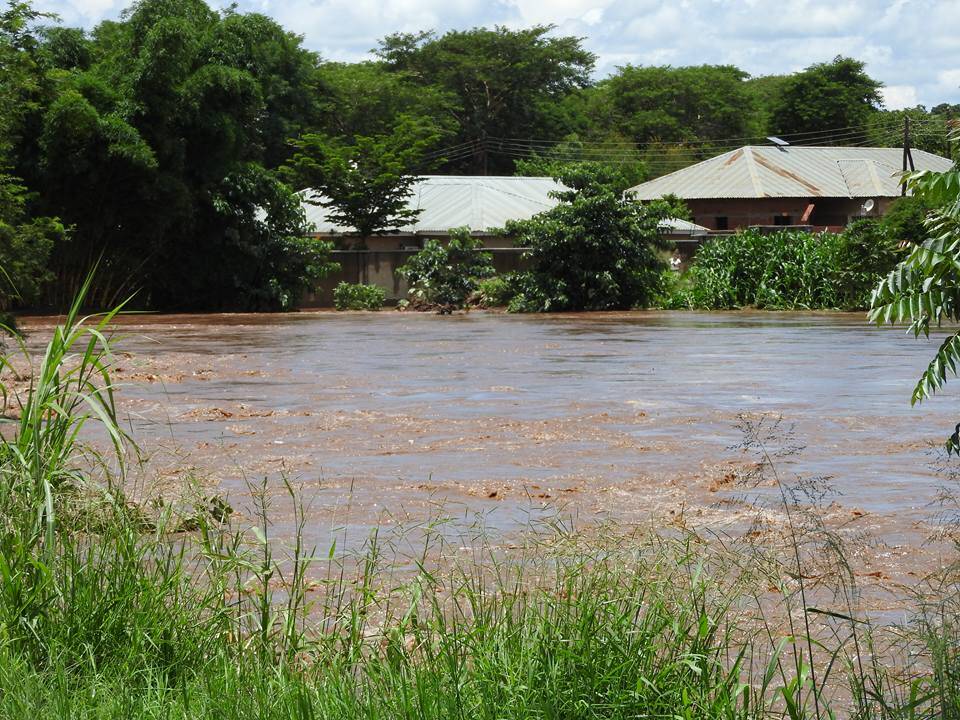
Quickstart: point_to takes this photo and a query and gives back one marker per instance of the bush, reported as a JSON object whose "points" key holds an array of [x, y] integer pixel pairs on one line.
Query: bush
{"points": [[445, 276], [25, 246], [904, 221], [349, 296], [787, 270], [497, 291], [596, 250], [863, 253]]}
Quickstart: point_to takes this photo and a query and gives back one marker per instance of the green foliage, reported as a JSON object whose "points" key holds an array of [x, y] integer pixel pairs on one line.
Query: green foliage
{"points": [[788, 270], [905, 220], [862, 253], [445, 275], [629, 168], [505, 83], [837, 94], [25, 247], [496, 291], [154, 139], [924, 289], [151, 136], [596, 250], [365, 185], [928, 130], [350, 296], [681, 104], [368, 98]]}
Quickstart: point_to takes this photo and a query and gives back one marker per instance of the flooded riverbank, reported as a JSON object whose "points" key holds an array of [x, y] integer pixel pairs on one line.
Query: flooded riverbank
{"points": [[629, 418]]}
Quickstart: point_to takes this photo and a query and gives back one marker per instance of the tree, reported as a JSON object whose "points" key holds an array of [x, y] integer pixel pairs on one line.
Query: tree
{"points": [[365, 185], [444, 275], [507, 83], [155, 139], [826, 96], [905, 220], [696, 103], [595, 250], [924, 289], [291, 90], [25, 246], [26, 240], [367, 98], [765, 89], [928, 131]]}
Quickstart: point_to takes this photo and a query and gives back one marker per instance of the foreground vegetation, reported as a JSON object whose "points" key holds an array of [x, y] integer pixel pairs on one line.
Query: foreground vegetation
{"points": [[117, 605]]}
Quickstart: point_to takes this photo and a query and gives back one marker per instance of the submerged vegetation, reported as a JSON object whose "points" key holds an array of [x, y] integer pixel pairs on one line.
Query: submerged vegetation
{"points": [[357, 296], [788, 269], [444, 276]]}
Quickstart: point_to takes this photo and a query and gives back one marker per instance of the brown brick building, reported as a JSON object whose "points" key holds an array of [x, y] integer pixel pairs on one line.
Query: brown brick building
{"points": [[823, 187]]}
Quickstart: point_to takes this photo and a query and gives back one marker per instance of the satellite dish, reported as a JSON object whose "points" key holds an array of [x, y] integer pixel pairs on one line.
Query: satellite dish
{"points": [[868, 206]]}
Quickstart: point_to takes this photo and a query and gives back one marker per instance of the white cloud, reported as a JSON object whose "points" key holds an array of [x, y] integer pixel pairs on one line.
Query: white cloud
{"points": [[910, 45], [897, 97]]}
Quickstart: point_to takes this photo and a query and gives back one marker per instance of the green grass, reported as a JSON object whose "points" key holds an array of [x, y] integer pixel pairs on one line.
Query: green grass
{"points": [[109, 609]]}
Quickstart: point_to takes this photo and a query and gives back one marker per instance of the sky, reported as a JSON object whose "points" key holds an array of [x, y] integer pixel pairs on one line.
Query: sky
{"points": [[912, 46]]}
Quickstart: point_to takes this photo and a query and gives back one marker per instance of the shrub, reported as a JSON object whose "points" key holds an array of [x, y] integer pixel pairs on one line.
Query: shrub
{"points": [[595, 250], [350, 296], [497, 291], [25, 246], [789, 269], [904, 221], [863, 253], [444, 276]]}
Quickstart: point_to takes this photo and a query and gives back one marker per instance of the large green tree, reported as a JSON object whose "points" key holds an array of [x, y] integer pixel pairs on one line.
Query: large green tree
{"points": [[697, 103], [826, 97], [597, 249], [506, 84], [368, 98], [155, 140], [26, 240], [365, 185]]}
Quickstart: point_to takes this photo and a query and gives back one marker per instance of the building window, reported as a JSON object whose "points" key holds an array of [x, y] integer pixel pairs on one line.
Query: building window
{"points": [[783, 220], [721, 222]]}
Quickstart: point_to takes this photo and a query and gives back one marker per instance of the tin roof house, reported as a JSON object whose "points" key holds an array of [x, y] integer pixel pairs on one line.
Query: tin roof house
{"points": [[484, 204], [823, 187]]}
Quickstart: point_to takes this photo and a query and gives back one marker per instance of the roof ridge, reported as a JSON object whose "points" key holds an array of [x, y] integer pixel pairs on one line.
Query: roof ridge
{"points": [[752, 169]]}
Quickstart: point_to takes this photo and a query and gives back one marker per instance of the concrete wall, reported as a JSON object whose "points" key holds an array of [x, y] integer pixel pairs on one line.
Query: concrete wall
{"points": [[379, 267]]}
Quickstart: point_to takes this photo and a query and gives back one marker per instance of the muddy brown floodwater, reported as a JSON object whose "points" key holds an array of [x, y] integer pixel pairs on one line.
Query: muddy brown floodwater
{"points": [[628, 418]]}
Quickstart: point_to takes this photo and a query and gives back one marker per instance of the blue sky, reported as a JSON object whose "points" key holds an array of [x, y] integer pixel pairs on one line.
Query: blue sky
{"points": [[912, 46]]}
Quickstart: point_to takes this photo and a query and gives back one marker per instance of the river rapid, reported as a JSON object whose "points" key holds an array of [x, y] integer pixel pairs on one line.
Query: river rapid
{"points": [[620, 418]]}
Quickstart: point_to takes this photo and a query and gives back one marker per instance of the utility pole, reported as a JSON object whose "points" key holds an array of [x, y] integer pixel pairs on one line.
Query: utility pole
{"points": [[907, 155]]}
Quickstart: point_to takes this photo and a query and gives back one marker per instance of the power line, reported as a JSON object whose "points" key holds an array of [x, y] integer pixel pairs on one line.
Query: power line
{"points": [[657, 154]]}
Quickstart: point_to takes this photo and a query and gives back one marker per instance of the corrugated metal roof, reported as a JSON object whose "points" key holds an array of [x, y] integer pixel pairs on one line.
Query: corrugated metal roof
{"points": [[481, 203], [795, 171], [676, 226]]}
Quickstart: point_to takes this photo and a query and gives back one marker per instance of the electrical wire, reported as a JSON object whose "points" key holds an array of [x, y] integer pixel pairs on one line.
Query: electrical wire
{"points": [[657, 154]]}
